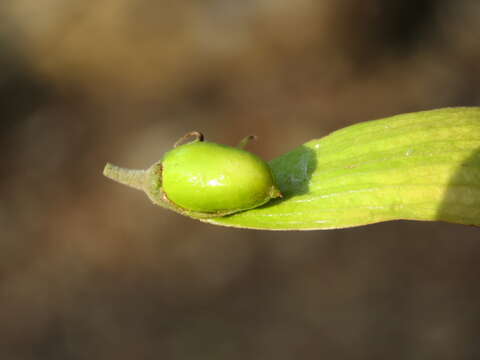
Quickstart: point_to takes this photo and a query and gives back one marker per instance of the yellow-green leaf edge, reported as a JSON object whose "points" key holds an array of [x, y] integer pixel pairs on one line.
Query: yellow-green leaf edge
{"points": [[416, 166]]}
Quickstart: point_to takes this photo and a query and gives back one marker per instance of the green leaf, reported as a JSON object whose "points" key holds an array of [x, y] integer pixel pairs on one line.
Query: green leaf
{"points": [[418, 166]]}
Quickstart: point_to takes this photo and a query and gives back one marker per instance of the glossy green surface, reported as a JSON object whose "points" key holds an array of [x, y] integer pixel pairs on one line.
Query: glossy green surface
{"points": [[418, 166], [208, 178]]}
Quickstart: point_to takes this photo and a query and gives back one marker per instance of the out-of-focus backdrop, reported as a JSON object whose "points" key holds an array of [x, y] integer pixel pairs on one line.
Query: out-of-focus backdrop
{"points": [[92, 270]]}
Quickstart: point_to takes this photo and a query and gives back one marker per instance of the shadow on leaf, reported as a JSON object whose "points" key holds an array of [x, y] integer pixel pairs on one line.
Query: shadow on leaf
{"points": [[461, 202], [293, 172]]}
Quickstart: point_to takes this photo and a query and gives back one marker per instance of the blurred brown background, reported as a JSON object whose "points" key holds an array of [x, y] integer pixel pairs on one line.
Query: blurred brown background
{"points": [[91, 270]]}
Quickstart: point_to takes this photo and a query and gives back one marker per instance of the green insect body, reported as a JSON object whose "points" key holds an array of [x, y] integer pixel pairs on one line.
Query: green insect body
{"points": [[203, 179]]}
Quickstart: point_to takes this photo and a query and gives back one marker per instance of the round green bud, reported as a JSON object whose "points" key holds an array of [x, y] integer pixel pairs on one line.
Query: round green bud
{"points": [[210, 178]]}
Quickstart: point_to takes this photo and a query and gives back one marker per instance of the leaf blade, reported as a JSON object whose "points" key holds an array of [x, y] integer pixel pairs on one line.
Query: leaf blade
{"points": [[418, 166]]}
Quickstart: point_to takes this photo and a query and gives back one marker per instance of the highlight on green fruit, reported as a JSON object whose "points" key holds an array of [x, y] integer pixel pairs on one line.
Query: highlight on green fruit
{"points": [[417, 166]]}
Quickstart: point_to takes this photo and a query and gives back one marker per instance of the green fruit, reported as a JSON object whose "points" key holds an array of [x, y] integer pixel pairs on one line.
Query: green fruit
{"points": [[204, 179], [211, 178]]}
